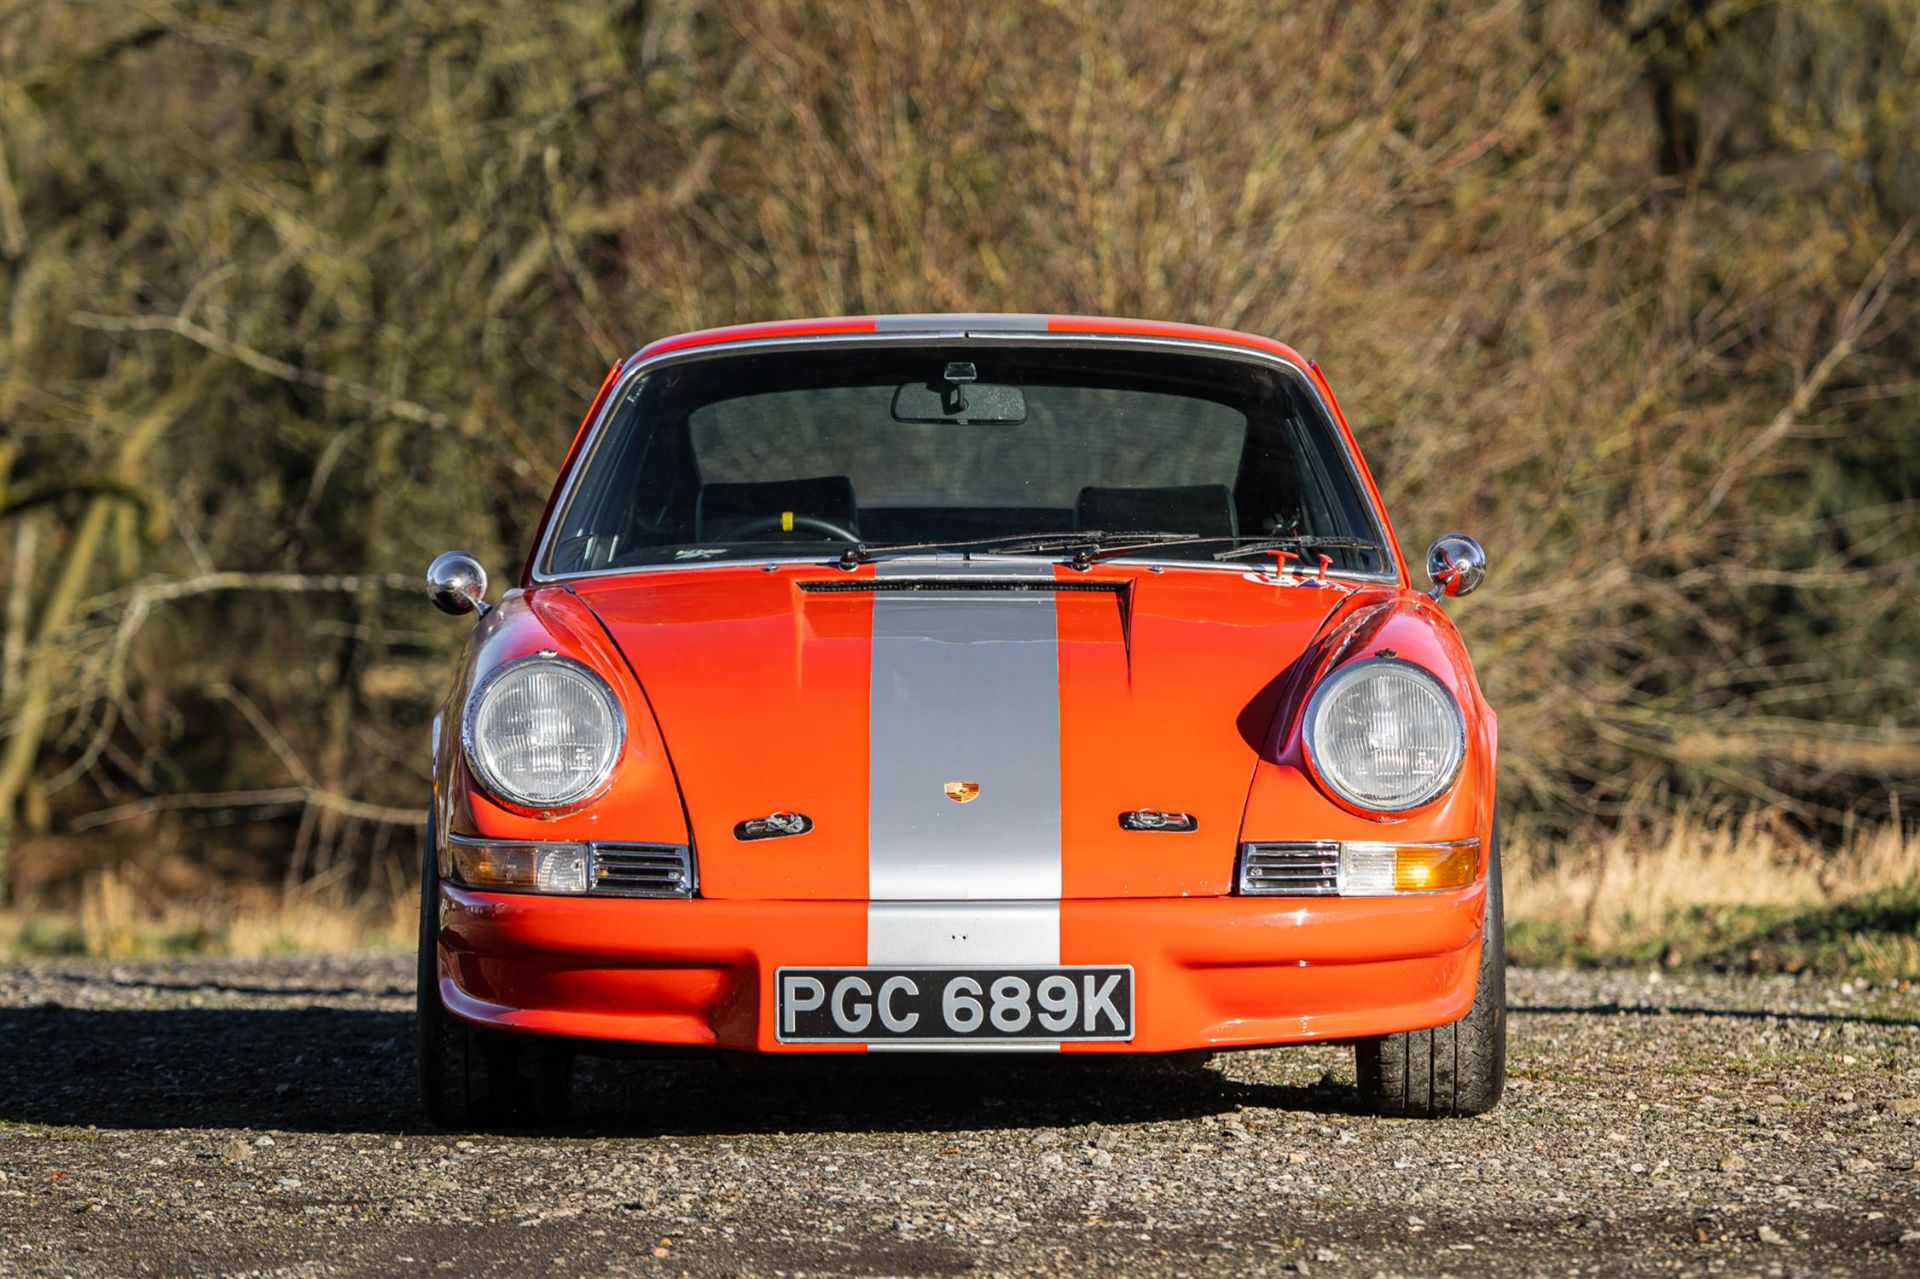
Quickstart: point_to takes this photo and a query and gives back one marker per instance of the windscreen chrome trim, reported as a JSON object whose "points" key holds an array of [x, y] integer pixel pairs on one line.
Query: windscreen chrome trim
{"points": [[1005, 337], [1244, 568]]}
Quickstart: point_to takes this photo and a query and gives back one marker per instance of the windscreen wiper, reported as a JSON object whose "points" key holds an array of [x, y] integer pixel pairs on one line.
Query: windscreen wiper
{"points": [[867, 552], [1261, 546], [1090, 546], [1252, 545], [1006, 544]]}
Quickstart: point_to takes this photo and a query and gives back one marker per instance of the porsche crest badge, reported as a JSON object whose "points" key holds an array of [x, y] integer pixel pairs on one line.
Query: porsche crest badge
{"points": [[963, 792]]}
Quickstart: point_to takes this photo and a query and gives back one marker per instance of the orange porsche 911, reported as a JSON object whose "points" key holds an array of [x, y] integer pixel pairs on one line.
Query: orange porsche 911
{"points": [[1010, 683]]}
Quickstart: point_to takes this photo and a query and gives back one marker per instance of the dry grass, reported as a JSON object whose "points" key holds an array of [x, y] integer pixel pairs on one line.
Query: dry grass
{"points": [[1612, 884], [1728, 894], [119, 918]]}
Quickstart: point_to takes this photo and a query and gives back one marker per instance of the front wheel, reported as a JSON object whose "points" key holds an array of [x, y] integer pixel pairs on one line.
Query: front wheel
{"points": [[1456, 1069], [471, 1077]]}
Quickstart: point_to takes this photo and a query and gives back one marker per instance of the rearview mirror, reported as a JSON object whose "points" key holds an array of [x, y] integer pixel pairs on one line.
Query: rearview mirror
{"points": [[1456, 565], [960, 402], [457, 584]]}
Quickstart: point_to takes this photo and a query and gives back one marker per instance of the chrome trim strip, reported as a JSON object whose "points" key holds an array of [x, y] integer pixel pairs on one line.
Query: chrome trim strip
{"points": [[1244, 568], [716, 350]]}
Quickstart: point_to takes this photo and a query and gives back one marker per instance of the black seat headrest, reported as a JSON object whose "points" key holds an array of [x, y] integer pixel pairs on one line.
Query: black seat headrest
{"points": [[1205, 510], [722, 507]]}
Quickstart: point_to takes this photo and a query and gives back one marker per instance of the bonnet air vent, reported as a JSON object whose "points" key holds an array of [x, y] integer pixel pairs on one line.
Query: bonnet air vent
{"points": [[948, 585]]}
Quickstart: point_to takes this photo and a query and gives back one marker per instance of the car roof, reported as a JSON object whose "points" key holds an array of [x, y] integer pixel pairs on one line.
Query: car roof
{"points": [[973, 322]]}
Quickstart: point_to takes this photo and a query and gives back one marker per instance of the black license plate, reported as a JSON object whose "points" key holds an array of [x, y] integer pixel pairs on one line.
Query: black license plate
{"points": [[952, 1005]]}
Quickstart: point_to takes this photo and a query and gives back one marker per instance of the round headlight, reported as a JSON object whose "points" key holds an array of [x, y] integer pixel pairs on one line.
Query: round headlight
{"points": [[1385, 735], [543, 732]]}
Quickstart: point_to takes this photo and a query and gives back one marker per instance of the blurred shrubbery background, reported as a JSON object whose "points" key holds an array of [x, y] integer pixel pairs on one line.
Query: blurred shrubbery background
{"points": [[297, 294]]}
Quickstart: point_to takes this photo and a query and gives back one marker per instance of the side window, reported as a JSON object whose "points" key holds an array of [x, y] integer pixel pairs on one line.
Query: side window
{"points": [[1293, 482], [639, 494]]}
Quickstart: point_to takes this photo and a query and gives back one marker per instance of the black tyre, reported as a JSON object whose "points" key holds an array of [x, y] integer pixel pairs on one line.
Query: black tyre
{"points": [[471, 1078], [1456, 1069]]}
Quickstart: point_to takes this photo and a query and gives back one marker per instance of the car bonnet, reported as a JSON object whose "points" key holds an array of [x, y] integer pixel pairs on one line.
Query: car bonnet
{"points": [[960, 730]]}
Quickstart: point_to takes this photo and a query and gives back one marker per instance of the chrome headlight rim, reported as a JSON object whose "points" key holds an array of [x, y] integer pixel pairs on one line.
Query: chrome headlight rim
{"points": [[505, 795], [1351, 672]]}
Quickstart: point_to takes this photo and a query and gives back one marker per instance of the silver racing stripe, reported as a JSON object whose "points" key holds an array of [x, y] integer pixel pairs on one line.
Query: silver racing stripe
{"points": [[974, 322], [966, 688], [977, 934]]}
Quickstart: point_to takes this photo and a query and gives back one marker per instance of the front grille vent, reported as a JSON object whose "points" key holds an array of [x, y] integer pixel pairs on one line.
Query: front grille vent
{"points": [[1290, 870], [885, 585], [643, 870]]}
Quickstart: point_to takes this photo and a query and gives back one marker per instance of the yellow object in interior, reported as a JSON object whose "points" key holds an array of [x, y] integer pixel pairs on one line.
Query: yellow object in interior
{"points": [[786, 521]]}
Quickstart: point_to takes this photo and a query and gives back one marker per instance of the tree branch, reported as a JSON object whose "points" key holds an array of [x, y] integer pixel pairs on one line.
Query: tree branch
{"points": [[260, 361], [307, 796]]}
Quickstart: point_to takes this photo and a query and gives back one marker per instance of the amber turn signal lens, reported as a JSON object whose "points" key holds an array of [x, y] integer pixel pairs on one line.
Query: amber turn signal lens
{"points": [[1362, 868], [1381, 870], [1432, 868], [519, 867]]}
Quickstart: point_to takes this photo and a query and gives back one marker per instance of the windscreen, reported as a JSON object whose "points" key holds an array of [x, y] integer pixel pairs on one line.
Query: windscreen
{"points": [[807, 453]]}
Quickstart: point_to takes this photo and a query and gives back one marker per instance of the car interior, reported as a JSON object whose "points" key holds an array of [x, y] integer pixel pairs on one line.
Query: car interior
{"points": [[781, 451]]}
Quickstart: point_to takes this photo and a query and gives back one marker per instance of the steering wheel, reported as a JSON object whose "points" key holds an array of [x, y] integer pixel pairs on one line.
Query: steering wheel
{"points": [[755, 529]]}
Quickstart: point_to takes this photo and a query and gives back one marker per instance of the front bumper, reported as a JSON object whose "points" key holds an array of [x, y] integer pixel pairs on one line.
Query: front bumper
{"points": [[1210, 973]]}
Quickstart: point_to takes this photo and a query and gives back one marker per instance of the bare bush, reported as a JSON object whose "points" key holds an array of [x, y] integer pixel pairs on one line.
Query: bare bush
{"points": [[1624, 288]]}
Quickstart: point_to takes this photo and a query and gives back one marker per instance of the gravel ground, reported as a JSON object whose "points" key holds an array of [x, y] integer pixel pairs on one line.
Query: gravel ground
{"points": [[235, 1117]]}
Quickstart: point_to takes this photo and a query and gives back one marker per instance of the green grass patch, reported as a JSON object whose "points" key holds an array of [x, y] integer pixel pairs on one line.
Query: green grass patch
{"points": [[59, 936], [44, 937]]}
